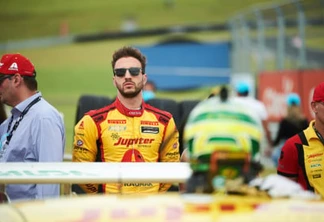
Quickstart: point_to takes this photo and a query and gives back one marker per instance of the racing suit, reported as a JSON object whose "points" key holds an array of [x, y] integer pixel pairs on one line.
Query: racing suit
{"points": [[117, 134]]}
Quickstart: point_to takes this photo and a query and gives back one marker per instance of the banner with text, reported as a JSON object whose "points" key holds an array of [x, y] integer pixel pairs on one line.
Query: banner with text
{"points": [[274, 87]]}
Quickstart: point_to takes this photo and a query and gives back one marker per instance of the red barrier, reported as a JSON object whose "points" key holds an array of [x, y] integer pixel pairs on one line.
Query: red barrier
{"points": [[275, 86]]}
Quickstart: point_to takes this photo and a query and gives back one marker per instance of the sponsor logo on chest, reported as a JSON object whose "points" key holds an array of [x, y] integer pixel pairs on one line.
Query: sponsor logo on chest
{"points": [[129, 142]]}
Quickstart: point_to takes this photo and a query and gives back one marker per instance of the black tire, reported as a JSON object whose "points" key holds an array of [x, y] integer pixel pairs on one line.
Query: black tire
{"points": [[185, 108], [90, 102]]}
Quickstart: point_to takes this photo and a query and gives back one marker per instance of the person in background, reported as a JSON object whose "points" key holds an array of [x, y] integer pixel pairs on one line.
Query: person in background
{"points": [[149, 90], [301, 157], [129, 24], [294, 122], [35, 130], [242, 91], [128, 130]]}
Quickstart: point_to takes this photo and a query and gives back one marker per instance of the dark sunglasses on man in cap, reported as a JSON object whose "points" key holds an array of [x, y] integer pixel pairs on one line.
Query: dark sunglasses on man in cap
{"points": [[121, 72], [3, 78]]}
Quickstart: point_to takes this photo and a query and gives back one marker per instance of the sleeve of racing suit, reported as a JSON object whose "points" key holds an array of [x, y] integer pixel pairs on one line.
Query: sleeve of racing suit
{"points": [[169, 151], [288, 160], [85, 149]]}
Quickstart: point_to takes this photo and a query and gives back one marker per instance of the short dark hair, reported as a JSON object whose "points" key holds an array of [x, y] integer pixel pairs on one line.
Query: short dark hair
{"points": [[30, 82], [128, 51], [246, 93]]}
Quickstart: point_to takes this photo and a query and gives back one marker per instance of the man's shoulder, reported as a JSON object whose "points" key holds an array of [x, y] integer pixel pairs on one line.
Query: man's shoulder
{"points": [[101, 113], [44, 108], [296, 139], [157, 111]]}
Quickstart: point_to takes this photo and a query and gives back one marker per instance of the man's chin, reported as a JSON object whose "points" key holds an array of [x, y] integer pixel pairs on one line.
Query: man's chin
{"points": [[129, 94]]}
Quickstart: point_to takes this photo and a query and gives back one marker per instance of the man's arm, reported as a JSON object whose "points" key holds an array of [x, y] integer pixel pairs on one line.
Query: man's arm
{"points": [[288, 161], [85, 149], [267, 131], [50, 143], [169, 152]]}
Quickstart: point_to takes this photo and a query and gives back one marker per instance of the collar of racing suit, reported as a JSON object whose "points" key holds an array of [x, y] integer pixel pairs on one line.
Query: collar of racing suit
{"points": [[128, 112]]}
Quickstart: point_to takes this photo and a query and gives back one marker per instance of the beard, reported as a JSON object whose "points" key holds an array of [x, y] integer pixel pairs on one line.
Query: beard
{"points": [[130, 93]]}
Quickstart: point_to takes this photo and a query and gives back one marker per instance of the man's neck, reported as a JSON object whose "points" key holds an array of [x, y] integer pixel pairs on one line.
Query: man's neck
{"points": [[131, 103], [23, 96], [319, 127]]}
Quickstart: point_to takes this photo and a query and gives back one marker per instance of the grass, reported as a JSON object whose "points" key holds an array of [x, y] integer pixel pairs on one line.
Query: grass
{"points": [[41, 18]]}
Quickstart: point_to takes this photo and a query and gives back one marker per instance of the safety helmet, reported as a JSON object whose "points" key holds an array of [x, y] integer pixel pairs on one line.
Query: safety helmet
{"points": [[222, 135]]}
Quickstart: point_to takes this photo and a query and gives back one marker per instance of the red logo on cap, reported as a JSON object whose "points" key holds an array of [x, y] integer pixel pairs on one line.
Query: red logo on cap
{"points": [[11, 64]]}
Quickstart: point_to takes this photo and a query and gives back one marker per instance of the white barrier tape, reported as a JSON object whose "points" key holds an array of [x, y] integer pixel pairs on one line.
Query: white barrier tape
{"points": [[68, 172]]}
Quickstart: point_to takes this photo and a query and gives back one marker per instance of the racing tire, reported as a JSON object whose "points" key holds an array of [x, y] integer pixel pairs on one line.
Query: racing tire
{"points": [[167, 105], [90, 102]]}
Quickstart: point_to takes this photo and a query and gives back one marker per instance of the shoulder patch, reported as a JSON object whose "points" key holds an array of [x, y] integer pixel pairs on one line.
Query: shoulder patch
{"points": [[99, 115], [157, 111]]}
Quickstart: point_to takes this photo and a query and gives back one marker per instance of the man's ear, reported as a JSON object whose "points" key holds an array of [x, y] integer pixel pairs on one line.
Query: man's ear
{"points": [[314, 106], [144, 79], [114, 81], [17, 78]]}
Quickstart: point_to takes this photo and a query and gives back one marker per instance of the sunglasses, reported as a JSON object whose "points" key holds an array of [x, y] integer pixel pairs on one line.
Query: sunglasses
{"points": [[121, 72], [4, 78]]}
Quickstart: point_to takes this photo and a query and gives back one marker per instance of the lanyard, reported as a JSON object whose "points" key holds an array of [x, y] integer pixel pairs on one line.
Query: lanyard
{"points": [[20, 119], [320, 137]]}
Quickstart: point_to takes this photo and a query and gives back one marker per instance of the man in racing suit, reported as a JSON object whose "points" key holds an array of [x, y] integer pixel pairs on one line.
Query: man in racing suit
{"points": [[128, 130], [301, 158]]}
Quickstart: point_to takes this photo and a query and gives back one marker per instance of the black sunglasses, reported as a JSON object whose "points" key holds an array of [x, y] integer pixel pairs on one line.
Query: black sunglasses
{"points": [[121, 72], [2, 79]]}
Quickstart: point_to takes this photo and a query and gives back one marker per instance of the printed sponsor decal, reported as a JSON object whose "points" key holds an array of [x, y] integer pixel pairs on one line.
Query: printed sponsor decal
{"points": [[317, 176], [138, 184], [117, 128], [172, 155], [13, 66], [79, 143], [81, 125], [91, 187], [80, 149], [117, 121], [150, 123], [314, 155], [115, 136], [133, 155], [150, 129], [129, 142], [315, 160], [315, 165], [134, 113]]}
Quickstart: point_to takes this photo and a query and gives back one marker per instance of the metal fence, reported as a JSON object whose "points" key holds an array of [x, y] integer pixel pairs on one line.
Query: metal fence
{"points": [[278, 36]]}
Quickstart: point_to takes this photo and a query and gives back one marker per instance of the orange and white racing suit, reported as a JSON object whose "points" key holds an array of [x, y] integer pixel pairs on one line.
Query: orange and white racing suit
{"points": [[117, 134]]}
